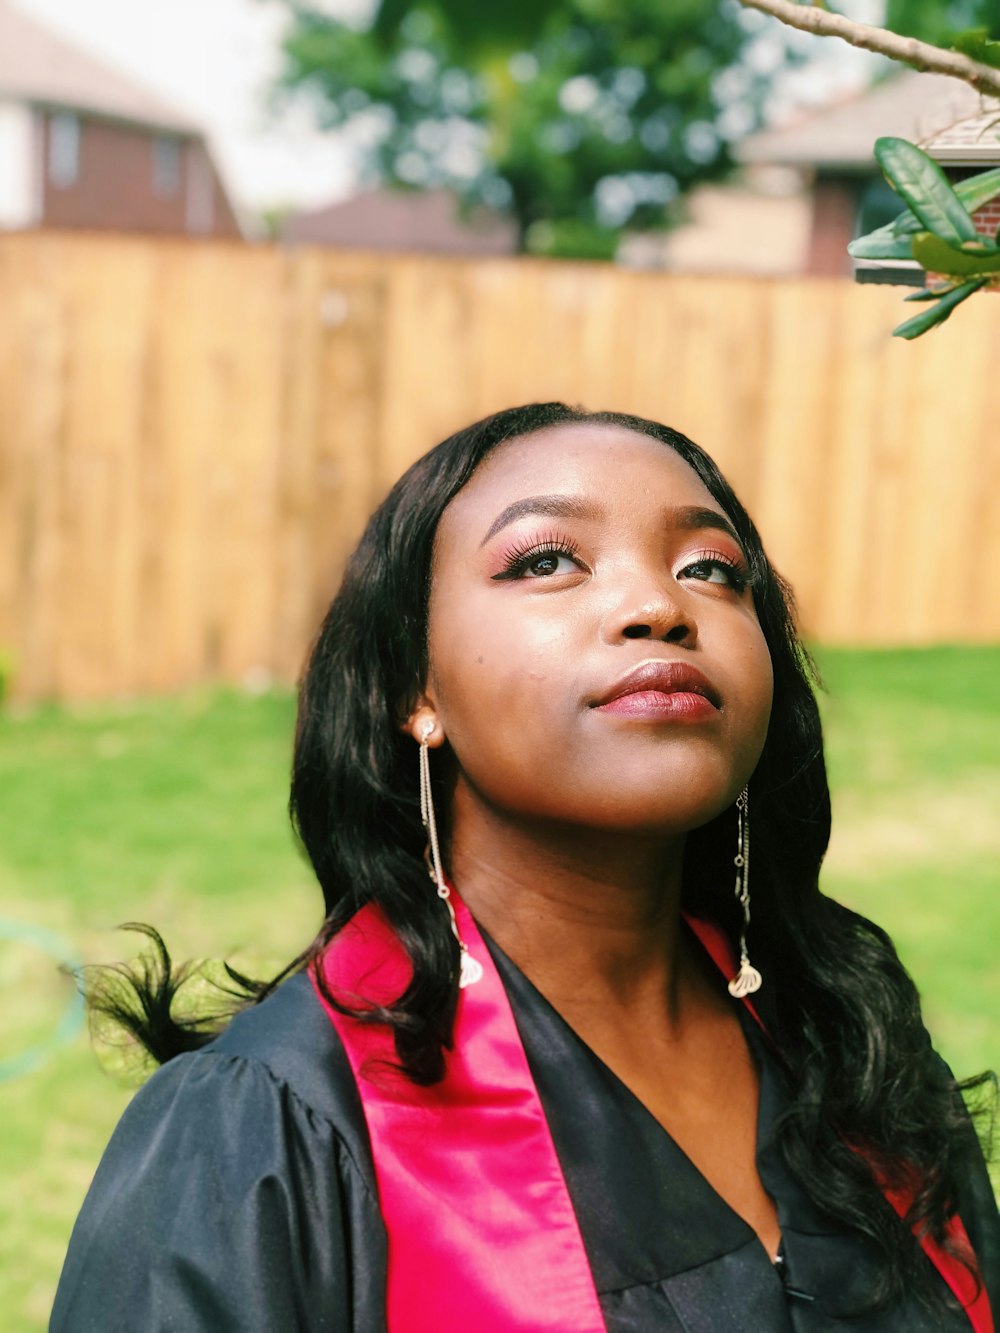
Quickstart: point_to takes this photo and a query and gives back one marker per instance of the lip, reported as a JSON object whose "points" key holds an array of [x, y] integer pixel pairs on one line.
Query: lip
{"points": [[665, 689]]}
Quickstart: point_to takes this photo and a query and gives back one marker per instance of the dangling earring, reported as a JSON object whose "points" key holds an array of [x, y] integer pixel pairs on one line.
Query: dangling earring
{"points": [[747, 979], [470, 970]]}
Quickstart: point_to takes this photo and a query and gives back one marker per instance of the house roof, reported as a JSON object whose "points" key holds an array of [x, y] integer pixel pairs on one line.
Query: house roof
{"points": [[422, 220], [925, 108], [40, 67], [972, 141]]}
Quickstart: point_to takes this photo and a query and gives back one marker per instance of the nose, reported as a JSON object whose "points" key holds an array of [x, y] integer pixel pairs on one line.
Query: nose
{"points": [[659, 612]]}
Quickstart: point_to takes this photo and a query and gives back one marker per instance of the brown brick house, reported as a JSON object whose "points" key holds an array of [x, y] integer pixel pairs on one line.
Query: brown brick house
{"points": [[968, 146], [422, 221], [82, 146]]}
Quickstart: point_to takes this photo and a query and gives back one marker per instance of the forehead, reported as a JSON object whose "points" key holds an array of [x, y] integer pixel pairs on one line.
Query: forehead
{"points": [[610, 464]]}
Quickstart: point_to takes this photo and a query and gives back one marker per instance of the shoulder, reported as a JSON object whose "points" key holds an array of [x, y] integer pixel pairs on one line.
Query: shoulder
{"points": [[291, 1045], [239, 1178], [279, 1064]]}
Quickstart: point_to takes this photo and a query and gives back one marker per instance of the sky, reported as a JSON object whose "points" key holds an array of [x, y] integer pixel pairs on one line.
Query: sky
{"points": [[215, 59]]}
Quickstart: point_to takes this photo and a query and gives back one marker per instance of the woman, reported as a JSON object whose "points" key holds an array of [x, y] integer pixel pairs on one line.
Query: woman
{"points": [[539, 1071]]}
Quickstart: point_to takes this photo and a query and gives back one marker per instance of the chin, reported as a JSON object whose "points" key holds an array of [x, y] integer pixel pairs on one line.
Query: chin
{"points": [[663, 802], [658, 812]]}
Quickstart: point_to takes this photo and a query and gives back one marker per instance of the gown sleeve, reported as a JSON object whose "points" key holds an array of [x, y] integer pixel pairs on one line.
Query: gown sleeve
{"points": [[977, 1207], [224, 1204]]}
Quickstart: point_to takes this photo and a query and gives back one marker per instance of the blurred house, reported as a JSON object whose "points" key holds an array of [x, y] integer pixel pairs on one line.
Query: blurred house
{"points": [[759, 226], [969, 146], [82, 146], [416, 220], [831, 150]]}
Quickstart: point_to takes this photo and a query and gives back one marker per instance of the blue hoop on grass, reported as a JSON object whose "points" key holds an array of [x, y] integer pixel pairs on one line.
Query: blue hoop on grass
{"points": [[71, 1020]]}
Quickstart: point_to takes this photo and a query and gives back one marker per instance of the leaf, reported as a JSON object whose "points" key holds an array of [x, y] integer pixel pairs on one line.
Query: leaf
{"points": [[937, 256], [979, 189], [976, 44], [927, 294], [924, 186], [913, 328], [886, 243], [893, 240]]}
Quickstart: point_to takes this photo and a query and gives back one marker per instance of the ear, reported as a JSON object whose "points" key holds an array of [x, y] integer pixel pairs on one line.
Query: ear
{"points": [[424, 723]]}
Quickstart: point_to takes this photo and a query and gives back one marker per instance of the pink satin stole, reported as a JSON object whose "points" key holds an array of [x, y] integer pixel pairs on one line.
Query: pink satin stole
{"points": [[481, 1230]]}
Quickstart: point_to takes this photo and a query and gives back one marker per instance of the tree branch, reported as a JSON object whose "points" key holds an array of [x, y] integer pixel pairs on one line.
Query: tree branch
{"points": [[920, 55]]}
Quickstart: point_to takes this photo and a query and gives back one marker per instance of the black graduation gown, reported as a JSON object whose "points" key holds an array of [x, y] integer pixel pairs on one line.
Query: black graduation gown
{"points": [[238, 1196]]}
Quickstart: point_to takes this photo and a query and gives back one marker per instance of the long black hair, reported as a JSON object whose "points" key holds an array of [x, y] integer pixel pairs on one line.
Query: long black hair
{"points": [[870, 1104]]}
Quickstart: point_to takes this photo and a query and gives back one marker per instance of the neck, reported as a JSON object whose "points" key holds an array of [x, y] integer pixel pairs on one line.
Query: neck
{"points": [[591, 917]]}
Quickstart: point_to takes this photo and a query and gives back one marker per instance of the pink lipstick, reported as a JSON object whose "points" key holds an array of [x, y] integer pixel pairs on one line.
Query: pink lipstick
{"points": [[660, 691]]}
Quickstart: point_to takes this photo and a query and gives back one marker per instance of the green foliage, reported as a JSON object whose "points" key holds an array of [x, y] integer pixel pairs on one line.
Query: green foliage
{"points": [[947, 299], [939, 21], [499, 29], [925, 189], [893, 241], [969, 26], [977, 44], [937, 256], [572, 238], [936, 230], [586, 115]]}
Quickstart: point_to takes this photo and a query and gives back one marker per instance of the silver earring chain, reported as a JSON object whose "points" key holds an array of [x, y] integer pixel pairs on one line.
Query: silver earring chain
{"points": [[471, 969], [747, 979]]}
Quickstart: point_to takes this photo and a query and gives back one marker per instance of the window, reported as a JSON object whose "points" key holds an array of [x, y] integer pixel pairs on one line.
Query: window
{"points": [[64, 149], [166, 166], [200, 210], [878, 203]]}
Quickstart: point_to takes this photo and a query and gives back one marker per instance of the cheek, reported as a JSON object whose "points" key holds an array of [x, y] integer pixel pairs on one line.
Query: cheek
{"points": [[490, 661], [506, 695], [756, 687]]}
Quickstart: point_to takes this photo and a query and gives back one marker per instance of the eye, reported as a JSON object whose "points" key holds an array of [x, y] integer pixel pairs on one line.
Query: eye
{"points": [[714, 567], [546, 563], [539, 560]]}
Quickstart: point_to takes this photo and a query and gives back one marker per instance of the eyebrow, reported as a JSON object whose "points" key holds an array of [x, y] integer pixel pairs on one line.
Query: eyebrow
{"points": [[550, 506], [689, 518], [693, 518]]}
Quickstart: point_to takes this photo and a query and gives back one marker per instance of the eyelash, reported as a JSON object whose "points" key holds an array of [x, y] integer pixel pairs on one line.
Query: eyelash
{"points": [[736, 571], [519, 556]]}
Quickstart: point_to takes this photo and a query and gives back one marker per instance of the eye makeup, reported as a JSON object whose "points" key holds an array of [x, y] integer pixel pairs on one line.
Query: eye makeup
{"points": [[734, 568], [521, 553]]}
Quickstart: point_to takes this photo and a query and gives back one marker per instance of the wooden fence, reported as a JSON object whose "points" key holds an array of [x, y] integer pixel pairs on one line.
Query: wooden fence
{"points": [[191, 436]]}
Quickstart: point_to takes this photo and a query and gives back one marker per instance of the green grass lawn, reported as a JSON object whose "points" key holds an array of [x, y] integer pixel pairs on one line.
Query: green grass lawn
{"points": [[912, 746], [174, 812]]}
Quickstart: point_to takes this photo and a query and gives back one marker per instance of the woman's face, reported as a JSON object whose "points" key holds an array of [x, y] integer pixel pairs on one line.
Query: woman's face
{"points": [[595, 657]]}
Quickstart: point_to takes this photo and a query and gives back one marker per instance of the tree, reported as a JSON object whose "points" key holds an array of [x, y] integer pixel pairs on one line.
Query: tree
{"points": [[577, 117]]}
